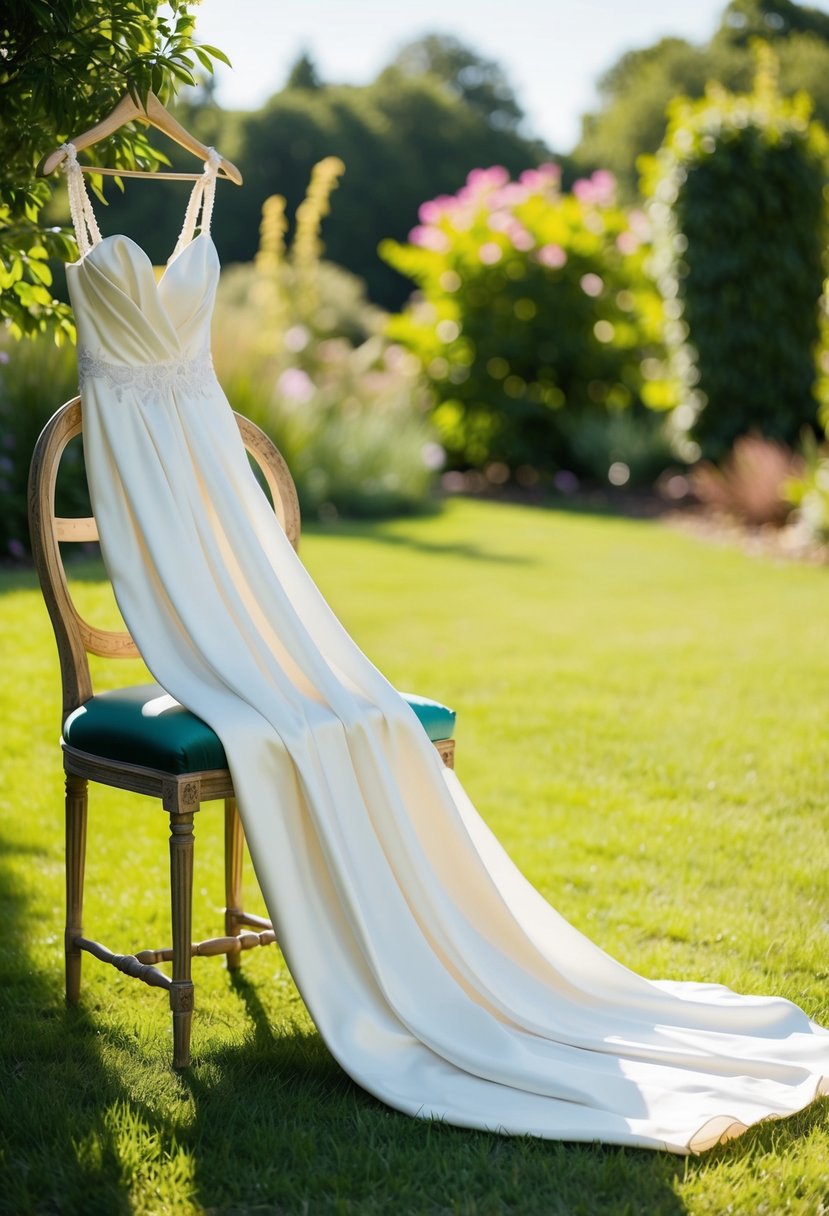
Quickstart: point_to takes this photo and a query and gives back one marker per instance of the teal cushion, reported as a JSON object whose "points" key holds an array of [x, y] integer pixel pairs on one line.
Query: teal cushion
{"points": [[143, 725], [437, 720]]}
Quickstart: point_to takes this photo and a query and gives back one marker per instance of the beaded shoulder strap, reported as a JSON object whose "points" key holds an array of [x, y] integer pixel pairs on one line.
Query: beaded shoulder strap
{"points": [[87, 232], [201, 199]]}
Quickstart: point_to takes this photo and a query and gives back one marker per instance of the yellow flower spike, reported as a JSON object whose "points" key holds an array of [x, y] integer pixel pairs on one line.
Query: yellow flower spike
{"points": [[272, 230]]}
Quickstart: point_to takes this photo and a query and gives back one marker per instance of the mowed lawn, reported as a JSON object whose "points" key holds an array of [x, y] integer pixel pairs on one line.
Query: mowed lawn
{"points": [[642, 720]]}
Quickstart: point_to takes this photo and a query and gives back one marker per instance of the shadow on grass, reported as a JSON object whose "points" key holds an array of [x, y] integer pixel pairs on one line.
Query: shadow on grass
{"points": [[57, 1151], [266, 1125], [279, 1117], [381, 534], [88, 567]]}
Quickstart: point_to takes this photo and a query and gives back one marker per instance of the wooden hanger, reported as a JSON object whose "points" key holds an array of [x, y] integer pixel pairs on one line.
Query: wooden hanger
{"points": [[127, 110]]}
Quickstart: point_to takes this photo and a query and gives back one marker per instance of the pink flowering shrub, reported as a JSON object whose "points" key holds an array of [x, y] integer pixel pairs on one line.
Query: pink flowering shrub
{"points": [[533, 309]]}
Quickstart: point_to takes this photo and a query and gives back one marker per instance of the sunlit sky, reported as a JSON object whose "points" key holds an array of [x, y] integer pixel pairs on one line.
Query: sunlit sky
{"points": [[553, 51]]}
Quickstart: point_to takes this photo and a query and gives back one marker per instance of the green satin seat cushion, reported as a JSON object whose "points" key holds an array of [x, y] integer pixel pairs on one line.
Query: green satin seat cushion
{"points": [[143, 725]]}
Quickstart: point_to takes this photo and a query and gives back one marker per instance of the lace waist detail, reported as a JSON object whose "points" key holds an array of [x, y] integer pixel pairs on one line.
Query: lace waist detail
{"points": [[194, 375]]}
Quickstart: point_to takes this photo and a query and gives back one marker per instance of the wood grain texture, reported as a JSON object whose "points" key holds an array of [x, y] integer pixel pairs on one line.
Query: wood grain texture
{"points": [[231, 946], [128, 964], [234, 857], [446, 751], [76, 805], [181, 909]]}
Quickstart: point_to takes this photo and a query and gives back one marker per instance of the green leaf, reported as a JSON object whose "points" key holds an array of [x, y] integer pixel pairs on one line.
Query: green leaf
{"points": [[216, 53], [41, 271], [203, 58], [181, 73]]}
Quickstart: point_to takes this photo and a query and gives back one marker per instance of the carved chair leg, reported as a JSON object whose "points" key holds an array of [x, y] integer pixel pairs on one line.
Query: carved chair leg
{"points": [[181, 898], [234, 854], [76, 804]]}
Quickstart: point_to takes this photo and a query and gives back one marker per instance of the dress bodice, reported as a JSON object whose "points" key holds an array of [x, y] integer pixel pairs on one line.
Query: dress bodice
{"points": [[131, 324], [125, 317]]}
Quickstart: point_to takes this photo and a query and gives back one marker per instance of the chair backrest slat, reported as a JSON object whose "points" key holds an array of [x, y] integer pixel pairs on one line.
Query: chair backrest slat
{"points": [[76, 637], [75, 529]]}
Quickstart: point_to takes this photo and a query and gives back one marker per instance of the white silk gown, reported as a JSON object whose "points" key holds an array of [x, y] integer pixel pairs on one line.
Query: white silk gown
{"points": [[440, 980]]}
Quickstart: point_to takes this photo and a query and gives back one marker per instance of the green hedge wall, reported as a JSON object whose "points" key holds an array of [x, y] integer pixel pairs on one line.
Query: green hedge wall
{"points": [[738, 199]]}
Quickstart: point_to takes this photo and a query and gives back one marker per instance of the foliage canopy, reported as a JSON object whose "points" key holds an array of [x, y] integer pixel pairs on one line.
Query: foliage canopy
{"points": [[64, 65], [637, 89], [480, 83]]}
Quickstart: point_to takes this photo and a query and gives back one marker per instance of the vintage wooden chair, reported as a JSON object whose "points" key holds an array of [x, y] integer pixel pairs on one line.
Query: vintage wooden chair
{"points": [[138, 739]]}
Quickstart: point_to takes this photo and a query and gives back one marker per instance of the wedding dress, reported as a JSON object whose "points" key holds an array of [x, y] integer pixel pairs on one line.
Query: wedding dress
{"points": [[441, 981]]}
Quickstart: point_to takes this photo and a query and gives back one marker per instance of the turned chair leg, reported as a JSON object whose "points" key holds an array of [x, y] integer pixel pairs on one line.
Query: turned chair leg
{"points": [[234, 854], [76, 804], [181, 899]]}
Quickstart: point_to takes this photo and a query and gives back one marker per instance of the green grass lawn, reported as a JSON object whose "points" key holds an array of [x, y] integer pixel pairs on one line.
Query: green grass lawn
{"points": [[643, 722]]}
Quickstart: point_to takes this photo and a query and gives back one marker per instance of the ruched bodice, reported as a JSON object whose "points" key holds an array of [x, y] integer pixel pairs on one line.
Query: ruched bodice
{"points": [[124, 316], [441, 981]]}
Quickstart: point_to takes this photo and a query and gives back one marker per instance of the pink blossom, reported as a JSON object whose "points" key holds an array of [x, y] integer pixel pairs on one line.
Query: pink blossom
{"points": [[605, 182], [433, 456], [591, 284], [296, 385], [502, 221], [541, 178], [509, 195], [434, 209], [520, 237], [600, 189], [499, 221], [487, 179], [463, 218], [517, 233], [639, 223], [429, 238], [627, 242], [552, 256], [490, 253]]}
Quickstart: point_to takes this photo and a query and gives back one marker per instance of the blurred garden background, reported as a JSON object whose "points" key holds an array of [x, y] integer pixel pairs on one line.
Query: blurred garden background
{"points": [[420, 296], [487, 351]]}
